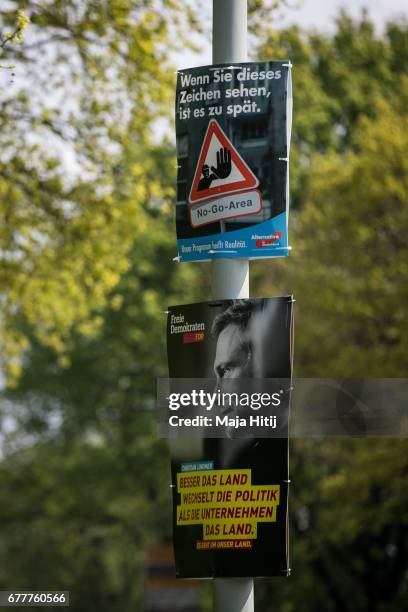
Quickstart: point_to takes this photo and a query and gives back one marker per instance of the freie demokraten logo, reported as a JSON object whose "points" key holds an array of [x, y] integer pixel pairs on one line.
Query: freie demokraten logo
{"points": [[191, 332]]}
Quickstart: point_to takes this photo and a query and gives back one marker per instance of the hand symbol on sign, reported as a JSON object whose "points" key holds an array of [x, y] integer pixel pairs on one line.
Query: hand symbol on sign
{"points": [[223, 168]]}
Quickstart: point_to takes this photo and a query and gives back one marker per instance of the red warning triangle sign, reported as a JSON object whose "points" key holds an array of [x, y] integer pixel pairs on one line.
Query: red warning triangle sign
{"points": [[220, 168]]}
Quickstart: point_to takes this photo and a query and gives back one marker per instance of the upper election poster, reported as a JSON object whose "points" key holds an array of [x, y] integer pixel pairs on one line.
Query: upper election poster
{"points": [[230, 492], [233, 124]]}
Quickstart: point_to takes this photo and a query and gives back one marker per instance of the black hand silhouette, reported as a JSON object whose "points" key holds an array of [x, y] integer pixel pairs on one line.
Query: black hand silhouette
{"points": [[223, 168]]}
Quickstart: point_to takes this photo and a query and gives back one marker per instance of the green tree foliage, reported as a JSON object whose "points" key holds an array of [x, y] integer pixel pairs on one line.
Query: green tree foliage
{"points": [[15, 35], [87, 274], [86, 185], [83, 520], [348, 271], [337, 79], [96, 483], [349, 525], [348, 267], [76, 164], [351, 240]]}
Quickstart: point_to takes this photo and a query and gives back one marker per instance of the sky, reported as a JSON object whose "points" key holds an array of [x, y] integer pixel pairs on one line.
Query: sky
{"points": [[318, 15]]}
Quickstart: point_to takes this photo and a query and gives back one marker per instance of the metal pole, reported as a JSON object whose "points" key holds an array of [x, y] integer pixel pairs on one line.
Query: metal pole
{"points": [[230, 277], [234, 595]]}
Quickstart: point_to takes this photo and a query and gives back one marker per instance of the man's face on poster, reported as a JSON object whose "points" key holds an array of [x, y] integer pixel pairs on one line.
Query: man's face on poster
{"points": [[233, 357], [233, 361]]}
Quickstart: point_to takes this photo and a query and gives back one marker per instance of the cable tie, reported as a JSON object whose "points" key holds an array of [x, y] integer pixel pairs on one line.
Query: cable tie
{"points": [[289, 248], [227, 68]]}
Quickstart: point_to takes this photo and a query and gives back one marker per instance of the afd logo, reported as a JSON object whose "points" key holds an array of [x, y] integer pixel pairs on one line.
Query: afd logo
{"points": [[263, 242]]}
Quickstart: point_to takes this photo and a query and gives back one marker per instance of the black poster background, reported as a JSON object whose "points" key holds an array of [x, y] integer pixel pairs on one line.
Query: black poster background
{"points": [[267, 458], [261, 138]]}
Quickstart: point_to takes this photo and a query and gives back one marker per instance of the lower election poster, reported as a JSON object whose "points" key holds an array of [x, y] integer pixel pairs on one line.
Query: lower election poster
{"points": [[230, 492]]}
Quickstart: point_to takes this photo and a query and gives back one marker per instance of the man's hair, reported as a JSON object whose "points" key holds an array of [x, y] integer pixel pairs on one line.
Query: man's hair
{"points": [[239, 313]]}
